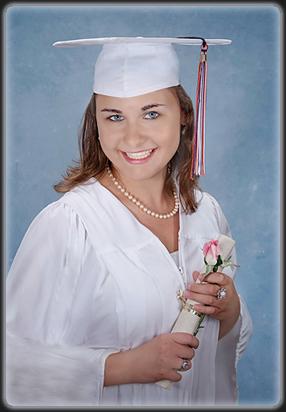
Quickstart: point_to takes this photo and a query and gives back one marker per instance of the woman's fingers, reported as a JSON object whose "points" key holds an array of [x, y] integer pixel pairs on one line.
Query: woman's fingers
{"points": [[180, 364], [197, 275], [205, 299], [209, 283], [217, 277], [177, 352], [184, 338], [185, 352], [183, 364], [173, 375], [205, 289], [206, 293]]}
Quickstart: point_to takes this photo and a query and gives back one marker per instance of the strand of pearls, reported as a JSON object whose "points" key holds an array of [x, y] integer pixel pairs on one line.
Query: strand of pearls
{"points": [[139, 204]]}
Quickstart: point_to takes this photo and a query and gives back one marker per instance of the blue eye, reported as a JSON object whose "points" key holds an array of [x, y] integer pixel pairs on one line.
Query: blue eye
{"points": [[115, 118], [152, 115]]}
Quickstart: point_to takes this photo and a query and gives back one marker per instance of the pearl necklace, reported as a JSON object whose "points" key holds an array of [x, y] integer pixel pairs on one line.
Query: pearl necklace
{"points": [[139, 204]]}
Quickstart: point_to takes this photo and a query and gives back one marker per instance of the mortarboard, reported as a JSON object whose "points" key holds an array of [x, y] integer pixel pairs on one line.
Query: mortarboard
{"points": [[132, 66]]}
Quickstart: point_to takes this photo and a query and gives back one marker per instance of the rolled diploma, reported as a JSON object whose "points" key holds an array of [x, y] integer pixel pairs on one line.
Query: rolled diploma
{"points": [[188, 319]]}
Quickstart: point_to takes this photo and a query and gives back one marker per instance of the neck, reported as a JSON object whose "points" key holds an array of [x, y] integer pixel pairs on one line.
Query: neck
{"points": [[150, 191]]}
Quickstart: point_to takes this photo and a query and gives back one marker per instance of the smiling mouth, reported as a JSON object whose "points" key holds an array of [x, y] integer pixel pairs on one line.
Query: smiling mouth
{"points": [[139, 155]]}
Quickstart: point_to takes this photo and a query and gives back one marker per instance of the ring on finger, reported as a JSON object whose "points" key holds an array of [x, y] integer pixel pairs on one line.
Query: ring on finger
{"points": [[222, 293], [185, 365]]}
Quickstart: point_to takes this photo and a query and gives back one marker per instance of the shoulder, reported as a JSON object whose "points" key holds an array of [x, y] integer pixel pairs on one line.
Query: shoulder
{"points": [[58, 217], [54, 237], [206, 202], [208, 217], [55, 224], [83, 195], [69, 206], [211, 202]]}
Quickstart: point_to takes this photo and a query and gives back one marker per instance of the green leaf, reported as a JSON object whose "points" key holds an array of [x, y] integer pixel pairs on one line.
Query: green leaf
{"points": [[219, 260]]}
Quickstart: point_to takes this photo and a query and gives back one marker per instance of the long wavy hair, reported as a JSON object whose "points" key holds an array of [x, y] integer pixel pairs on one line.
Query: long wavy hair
{"points": [[93, 161]]}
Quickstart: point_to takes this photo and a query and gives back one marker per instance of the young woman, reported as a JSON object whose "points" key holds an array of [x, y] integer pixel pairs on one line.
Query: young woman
{"points": [[92, 292]]}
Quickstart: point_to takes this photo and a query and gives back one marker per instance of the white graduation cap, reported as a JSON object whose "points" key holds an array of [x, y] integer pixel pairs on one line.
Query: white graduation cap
{"points": [[132, 66]]}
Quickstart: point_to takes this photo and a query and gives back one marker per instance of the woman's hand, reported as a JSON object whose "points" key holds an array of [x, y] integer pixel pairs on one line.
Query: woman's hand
{"points": [[226, 310], [157, 359]]}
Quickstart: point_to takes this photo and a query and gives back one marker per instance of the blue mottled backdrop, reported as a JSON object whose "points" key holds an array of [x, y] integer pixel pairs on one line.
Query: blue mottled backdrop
{"points": [[47, 90]]}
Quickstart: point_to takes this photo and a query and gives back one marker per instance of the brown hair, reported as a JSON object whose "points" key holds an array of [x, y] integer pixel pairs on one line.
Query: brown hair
{"points": [[93, 161]]}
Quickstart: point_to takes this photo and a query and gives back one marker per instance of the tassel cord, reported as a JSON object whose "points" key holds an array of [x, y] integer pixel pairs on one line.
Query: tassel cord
{"points": [[198, 155]]}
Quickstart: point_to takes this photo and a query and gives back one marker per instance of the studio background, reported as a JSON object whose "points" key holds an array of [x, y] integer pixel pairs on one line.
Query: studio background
{"points": [[47, 90]]}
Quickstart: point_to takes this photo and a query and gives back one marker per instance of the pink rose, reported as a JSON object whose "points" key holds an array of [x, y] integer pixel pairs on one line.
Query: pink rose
{"points": [[211, 250]]}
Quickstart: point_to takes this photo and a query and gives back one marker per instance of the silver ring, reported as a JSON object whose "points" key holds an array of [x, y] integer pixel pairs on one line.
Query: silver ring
{"points": [[185, 365], [221, 294]]}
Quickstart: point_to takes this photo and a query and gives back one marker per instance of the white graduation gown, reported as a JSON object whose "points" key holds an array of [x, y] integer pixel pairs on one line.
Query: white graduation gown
{"points": [[88, 280]]}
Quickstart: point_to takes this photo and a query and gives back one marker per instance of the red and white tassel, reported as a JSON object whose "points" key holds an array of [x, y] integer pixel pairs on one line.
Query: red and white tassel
{"points": [[198, 149]]}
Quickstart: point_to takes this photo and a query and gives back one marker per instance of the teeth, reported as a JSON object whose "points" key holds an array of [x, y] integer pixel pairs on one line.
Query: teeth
{"points": [[139, 155]]}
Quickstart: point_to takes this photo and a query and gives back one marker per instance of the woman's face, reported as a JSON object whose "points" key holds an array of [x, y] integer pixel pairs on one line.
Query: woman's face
{"points": [[139, 135]]}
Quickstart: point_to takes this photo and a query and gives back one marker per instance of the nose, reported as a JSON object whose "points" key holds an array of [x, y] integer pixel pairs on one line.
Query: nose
{"points": [[133, 136]]}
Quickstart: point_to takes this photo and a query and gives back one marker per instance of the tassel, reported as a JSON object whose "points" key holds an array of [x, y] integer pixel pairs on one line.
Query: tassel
{"points": [[198, 147]]}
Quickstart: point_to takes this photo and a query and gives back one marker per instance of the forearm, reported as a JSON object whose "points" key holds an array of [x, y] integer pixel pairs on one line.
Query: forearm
{"points": [[227, 324]]}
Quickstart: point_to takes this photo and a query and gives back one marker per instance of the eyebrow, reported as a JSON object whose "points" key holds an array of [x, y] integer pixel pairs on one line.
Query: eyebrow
{"points": [[150, 106], [147, 107]]}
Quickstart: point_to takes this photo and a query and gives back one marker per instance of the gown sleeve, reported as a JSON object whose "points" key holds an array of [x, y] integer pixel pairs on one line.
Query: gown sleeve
{"points": [[231, 347], [41, 368]]}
